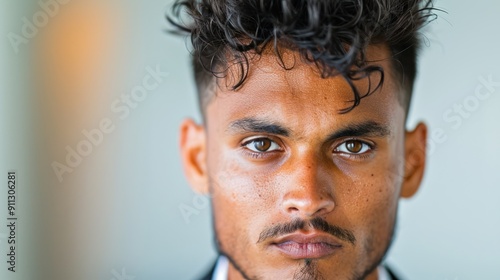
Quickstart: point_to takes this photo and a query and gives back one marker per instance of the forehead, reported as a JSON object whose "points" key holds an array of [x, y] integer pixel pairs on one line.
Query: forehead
{"points": [[298, 95]]}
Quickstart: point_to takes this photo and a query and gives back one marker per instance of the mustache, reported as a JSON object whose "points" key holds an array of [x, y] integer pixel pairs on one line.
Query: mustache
{"points": [[299, 224]]}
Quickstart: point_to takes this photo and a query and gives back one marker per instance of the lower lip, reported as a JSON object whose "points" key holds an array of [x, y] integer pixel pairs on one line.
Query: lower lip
{"points": [[296, 250]]}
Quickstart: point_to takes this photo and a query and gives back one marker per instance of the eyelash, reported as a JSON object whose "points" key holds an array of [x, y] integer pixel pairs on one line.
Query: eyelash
{"points": [[259, 155], [362, 156]]}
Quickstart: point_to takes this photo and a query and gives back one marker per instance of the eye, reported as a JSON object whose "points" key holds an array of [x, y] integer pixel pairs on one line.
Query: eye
{"points": [[261, 145], [353, 147]]}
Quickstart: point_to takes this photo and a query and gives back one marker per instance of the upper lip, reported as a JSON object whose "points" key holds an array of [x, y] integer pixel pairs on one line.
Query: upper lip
{"points": [[311, 237]]}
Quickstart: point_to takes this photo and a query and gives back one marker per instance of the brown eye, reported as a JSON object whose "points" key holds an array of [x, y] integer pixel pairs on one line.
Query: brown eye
{"points": [[261, 145], [354, 146]]}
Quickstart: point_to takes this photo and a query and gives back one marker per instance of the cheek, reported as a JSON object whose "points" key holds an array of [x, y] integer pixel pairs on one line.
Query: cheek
{"points": [[241, 203], [373, 186], [382, 212], [381, 193], [379, 184], [239, 196], [369, 197], [232, 183], [378, 211], [381, 198]]}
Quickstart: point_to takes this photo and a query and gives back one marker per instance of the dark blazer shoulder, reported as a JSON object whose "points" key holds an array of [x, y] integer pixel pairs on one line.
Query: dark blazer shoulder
{"points": [[392, 274], [209, 274]]}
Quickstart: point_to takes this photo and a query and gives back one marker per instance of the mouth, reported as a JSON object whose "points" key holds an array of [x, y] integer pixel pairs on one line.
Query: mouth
{"points": [[307, 246]]}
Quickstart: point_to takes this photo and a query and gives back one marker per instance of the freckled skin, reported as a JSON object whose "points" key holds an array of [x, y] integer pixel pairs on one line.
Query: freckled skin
{"points": [[305, 178]]}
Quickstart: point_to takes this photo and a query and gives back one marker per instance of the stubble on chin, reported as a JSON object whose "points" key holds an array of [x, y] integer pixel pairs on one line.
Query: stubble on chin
{"points": [[308, 270]]}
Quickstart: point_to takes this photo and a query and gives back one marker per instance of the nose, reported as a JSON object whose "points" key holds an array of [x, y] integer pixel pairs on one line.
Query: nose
{"points": [[309, 188]]}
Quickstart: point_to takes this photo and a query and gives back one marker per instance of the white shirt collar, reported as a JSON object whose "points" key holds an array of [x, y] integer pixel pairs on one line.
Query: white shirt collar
{"points": [[222, 266], [383, 274]]}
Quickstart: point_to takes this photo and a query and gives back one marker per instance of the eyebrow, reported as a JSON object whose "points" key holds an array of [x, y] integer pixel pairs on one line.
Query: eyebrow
{"points": [[363, 129], [260, 126]]}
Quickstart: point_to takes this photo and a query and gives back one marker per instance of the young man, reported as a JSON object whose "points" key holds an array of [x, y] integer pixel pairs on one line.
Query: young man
{"points": [[303, 147]]}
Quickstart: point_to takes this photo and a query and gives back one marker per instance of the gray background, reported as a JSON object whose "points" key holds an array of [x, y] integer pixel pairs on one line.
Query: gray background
{"points": [[449, 230]]}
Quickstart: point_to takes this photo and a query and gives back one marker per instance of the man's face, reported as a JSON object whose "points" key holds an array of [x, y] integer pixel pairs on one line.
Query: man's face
{"points": [[299, 190]]}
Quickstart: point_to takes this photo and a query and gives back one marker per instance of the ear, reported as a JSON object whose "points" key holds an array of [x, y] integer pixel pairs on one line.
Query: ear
{"points": [[193, 153], [415, 157]]}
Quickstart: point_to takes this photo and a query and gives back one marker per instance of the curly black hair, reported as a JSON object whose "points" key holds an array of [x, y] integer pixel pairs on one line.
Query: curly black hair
{"points": [[333, 34]]}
